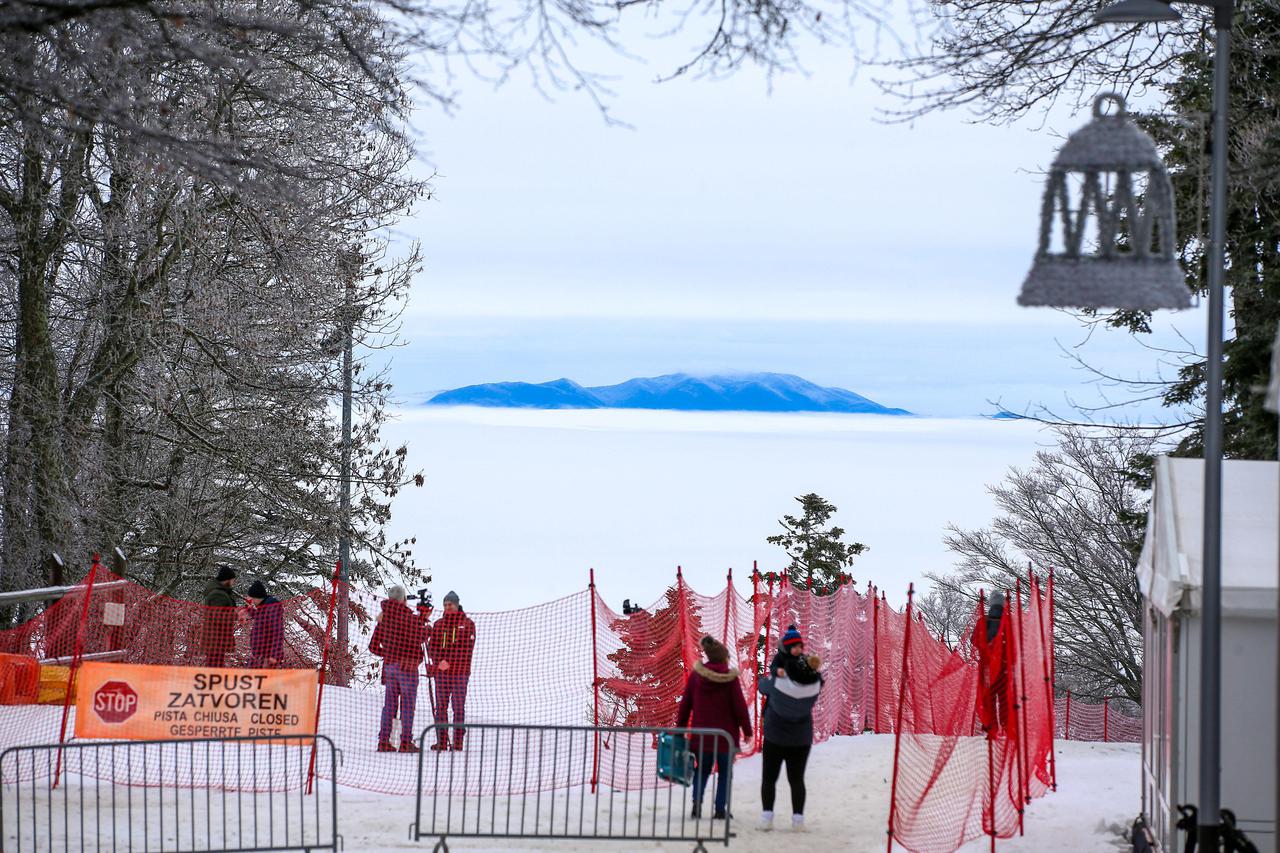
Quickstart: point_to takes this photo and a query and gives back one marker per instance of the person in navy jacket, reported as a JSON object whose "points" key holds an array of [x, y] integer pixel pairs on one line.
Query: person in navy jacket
{"points": [[788, 725], [266, 636]]}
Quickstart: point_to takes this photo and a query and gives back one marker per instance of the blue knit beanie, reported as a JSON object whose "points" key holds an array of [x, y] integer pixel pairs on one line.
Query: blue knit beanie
{"points": [[791, 637]]}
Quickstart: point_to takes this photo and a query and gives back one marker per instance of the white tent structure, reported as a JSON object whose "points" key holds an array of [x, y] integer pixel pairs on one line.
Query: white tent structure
{"points": [[1169, 576]]}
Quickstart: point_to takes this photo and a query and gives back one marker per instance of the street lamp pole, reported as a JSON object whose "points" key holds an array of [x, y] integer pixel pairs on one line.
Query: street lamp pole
{"points": [[1211, 594], [1144, 11], [350, 272]]}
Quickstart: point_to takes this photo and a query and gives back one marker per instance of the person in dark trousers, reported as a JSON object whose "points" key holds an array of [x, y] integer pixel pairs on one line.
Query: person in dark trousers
{"points": [[218, 636], [266, 635], [398, 639], [453, 639], [713, 700], [788, 726]]}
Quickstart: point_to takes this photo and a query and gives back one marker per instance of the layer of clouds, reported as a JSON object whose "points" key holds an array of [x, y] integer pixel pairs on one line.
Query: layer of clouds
{"points": [[518, 505]]}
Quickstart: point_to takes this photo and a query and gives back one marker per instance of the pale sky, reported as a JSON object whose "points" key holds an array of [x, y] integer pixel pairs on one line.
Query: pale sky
{"points": [[741, 226], [735, 227]]}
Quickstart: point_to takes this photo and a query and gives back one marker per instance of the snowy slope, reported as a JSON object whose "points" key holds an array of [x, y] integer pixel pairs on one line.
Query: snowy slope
{"points": [[848, 782]]}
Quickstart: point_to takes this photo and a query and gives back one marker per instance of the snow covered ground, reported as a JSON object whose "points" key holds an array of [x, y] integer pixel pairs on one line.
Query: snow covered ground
{"points": [[848, 782]]}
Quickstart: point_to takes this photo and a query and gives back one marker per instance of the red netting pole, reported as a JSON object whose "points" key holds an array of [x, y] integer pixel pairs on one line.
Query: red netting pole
{"points": [[884, 603], [984, 696], [897, 729], [1066, 731], [1041, 606], [1021, 693], [683, 622], [1053, 665], [1106, 719], [1008, 637], [75, 664], [755, 652], [875, 660], [768, 636], [991, 788], [728, 601], [595, 683], [324, 663]]}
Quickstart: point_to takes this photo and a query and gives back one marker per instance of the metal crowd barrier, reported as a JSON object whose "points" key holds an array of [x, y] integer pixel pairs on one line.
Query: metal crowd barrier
{"points": [[216, 795], [595, 783]]}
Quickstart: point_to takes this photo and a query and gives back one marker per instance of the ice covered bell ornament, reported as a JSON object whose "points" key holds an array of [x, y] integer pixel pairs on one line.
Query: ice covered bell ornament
{"points": [[1114, 245]]}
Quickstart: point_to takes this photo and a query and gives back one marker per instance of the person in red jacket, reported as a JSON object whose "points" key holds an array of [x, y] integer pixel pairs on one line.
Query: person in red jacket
{"points": [[713, 700], [398, 639], [453, 639]]}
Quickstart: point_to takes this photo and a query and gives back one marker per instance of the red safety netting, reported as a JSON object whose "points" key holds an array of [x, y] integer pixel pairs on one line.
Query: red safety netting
{"points": [[1036, 698], [943, 774], [574, 661], [974, 727], [890, 636], [839, 629], [108, 618], [1077, 720]]}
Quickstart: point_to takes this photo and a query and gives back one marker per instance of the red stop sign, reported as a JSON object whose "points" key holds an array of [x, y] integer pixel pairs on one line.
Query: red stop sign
{"points": [[115, 702]]}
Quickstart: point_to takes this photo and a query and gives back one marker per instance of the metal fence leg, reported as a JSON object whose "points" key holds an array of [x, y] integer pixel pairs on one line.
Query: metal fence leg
{"points": [[441, 846]]}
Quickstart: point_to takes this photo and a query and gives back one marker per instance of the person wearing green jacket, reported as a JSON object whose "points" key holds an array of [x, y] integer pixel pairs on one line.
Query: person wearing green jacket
{"points": [[219, 634]]}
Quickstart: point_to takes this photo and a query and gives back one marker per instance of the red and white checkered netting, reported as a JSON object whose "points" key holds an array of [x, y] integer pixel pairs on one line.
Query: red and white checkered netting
{"points": [[975, 735], [572, 662], [1080, 720]]}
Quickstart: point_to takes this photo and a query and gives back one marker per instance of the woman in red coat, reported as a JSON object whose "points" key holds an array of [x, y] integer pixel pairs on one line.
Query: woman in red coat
{"points": [[713, 700]]}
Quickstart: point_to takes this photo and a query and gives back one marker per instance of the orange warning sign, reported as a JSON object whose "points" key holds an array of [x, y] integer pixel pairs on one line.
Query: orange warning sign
{"points": [[142, 702]]}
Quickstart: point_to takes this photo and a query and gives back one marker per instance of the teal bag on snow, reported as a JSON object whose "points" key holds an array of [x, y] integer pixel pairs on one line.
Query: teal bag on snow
{"points": [[675, 761]]}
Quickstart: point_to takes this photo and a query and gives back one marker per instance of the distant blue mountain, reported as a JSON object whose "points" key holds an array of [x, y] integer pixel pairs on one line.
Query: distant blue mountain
{"points": [[751, 392], [560, 394]]}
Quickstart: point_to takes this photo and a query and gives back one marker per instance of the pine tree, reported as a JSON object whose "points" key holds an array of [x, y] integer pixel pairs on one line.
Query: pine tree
{"points": [[819, 556], [652, 661], [1252, 277]]}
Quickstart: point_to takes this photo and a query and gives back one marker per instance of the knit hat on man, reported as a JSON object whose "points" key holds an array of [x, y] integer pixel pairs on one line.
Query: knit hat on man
{"points": [[226, 573], [452, 596], [792, 637], [715, 650], [256, 590], [396, 592]]}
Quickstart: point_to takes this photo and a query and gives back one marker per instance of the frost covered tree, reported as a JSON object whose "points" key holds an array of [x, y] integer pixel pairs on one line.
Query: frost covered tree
{"points": [[178, 180], [948, 611], [1079, 509], [818, 553], [174, 294]]}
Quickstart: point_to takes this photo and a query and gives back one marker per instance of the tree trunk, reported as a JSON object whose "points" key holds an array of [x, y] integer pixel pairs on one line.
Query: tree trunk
{"points": [[37, 506]]}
